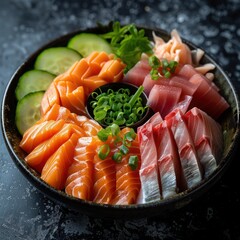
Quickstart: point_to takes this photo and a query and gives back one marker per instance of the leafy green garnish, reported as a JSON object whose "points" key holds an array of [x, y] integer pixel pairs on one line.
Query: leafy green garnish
{"points": [[128, 43]]}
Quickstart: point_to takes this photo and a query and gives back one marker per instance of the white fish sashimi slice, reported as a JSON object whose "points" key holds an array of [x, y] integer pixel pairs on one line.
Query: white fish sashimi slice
{"points": [[207, 137], [150, 184], [190, 165], [168, 160], [206, 157], [192, 170], [149, 176]]}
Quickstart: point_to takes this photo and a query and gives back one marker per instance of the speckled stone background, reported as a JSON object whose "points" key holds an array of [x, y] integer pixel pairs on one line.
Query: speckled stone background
{"points": [[25, 25]]}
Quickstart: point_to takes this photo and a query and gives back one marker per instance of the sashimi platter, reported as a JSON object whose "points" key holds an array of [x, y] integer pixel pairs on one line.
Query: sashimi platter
{"points": [[121, 121]]}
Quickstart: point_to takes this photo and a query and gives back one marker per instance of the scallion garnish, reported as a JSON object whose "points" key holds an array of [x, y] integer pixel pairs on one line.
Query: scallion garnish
{"points": [[162, 68], [118, 107], [133, 162], [103, 152], [121, 142], [117, 157]]}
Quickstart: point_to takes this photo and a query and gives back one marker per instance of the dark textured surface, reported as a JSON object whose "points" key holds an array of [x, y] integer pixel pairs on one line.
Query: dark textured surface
{"points": [[28, 24]]}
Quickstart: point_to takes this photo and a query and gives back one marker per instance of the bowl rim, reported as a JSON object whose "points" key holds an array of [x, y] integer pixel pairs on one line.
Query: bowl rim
{"points": [[91, 208]]}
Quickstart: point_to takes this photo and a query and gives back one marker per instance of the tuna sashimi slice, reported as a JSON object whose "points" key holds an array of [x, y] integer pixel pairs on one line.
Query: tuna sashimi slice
{"points": [[168, 161], [192, 170], [163, 99], [207, 98], [207, 137], [187, 87], [137, 74], [149, 176]]}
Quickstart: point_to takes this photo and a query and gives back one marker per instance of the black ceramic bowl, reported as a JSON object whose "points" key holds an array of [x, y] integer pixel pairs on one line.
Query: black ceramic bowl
{"points": [[115, 87], [229, 122]]}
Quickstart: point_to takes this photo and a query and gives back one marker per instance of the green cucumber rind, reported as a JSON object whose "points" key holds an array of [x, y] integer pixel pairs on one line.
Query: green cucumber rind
{"points": [[85, 43], [32, 81], [56, 60], [28, 111]]}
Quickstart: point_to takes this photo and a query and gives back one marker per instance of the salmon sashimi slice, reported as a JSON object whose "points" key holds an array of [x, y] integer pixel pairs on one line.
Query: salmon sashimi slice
{"points": [[55, 170], [57, 112], [149, 175], [71, 96], [50, 97], [96, 60], [169, 166], [39, 133], [40, 154], [91, 83], [79, 71], [207, 137], [104, 180], [127, 180], [91, 127], [112, 70], [192, 169], [79, 182]]}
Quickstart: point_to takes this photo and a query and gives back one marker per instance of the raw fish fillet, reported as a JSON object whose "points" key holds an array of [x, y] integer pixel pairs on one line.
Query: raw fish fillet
{"points": [[207, 137], [79, 182], [127, 181], [168, 161], [149, 176], [163, 98], [55, 170], [192, 170]]}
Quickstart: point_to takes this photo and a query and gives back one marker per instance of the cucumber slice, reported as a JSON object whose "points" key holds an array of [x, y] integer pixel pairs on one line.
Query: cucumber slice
{"points": [[28, 111], [33, 81], [56, 60], [86, 43]]}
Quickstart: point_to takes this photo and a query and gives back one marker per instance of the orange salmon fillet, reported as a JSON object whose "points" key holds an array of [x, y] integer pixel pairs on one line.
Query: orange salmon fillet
{"points": [[38, 133], [79, 182], [55, 170], [40, 154]]}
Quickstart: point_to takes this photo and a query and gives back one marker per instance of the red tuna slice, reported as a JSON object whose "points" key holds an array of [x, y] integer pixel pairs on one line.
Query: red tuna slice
{"points": [[188, 88], [163, 98], [187, 71], [207, 98], [192, 170], [148, 83], [137, 74], [169, 166], [149, 176], [207, 137]]}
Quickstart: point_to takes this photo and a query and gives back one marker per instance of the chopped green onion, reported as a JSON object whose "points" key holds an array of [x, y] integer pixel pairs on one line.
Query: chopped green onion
{"points": [[103, 135], [124, 150], [117, 107], [161, 68], [133, 162], [103, 152], [136, 96], [117, 157]]}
